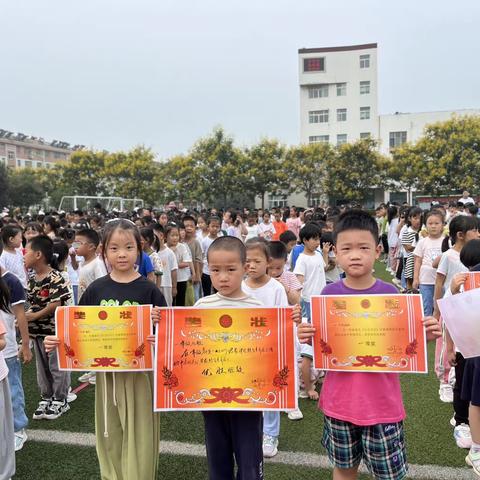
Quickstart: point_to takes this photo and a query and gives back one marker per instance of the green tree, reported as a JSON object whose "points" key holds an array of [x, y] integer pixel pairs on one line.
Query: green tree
{"points": [[404, 171], [25, 189], [4, 187], [179, 179], [354, 170], [306, 165], [132, 174], [222, 171], [449, 155], [264, 167]]}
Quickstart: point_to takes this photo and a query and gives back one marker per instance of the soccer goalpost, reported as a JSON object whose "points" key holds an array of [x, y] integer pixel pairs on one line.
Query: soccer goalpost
{"points": [[83, 202]]}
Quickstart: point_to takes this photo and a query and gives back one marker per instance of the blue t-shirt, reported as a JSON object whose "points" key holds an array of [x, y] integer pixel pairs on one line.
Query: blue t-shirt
{"points": [[297, 250], [145, 266]]}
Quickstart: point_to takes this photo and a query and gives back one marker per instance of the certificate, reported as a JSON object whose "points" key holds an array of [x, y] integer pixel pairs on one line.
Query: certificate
{"points": [[472, 282], [108, 339], [460, 314], [225, 359], [369, 333]]}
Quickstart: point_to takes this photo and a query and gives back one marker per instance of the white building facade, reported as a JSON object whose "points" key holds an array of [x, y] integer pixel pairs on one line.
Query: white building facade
{"points": [[339, 104]]}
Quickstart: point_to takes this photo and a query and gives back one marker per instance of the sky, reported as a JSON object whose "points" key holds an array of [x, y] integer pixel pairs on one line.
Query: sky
{"points": [[112, 74]]}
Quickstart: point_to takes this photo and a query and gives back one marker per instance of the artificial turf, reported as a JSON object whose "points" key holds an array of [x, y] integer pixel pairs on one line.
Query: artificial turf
{"points": [[428, 433]]}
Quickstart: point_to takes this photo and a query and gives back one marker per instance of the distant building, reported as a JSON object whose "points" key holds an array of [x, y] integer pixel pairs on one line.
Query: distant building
{"points": [[339, 104], [18, 150]]}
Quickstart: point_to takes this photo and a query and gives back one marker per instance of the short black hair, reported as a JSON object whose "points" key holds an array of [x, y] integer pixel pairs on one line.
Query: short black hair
{"points": [[44, 245], [230, 244], [356, 220], [470, 254], [277, 250], [90, 234], [189, 218], [287, 237], [214, 219], [310, 230]]}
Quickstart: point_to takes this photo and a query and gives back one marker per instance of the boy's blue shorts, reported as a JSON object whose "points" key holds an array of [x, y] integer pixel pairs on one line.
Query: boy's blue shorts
{"points": [[381, 447]]}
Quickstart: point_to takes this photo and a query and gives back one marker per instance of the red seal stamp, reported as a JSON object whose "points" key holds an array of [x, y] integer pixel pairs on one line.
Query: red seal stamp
{"points": [[365, 303], [102, 315], [225, 321]]}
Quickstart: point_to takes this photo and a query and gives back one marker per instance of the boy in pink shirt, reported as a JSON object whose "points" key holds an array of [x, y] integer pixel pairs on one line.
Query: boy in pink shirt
{"points": [[363, 411]]}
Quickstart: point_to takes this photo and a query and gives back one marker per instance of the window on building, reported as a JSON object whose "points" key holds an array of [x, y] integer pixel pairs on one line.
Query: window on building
{"points": [[19, 163], [314, 64], [319, 139], [365, 135], [397, 139], [39, 164], [316, 199], [365, 61], [28, 163], [318, 116], [341, 114], [341, 138], [365, 87], [11, 155], [47, 165], [364, 113], [341, 89], [277, 201], [318, 91]]}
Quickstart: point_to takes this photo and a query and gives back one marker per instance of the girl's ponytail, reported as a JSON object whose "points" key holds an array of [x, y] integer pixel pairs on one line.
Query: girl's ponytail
{"points": [[4, 290]]}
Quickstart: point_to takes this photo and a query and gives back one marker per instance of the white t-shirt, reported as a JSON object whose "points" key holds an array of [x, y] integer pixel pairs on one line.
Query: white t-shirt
{"points": [[3, 364], [13, 262], [183, 254], [272, 294], [169, 264], [217, 300], [267, 230], [252, 232], [89, 272], [312, 267], [17, 297], [429, 249], [449, 266], [73, 274], [206, 242], [392, 233], [466, 200]]}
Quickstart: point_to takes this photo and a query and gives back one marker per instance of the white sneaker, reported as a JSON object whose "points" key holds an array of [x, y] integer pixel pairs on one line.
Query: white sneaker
{"points": [[462, 436], [39, 413], [446, 393], [302, 393], [93, 378], [20, 439], [270, 446], [473, 460], [295, 414], [56, 409], [85, 377], [453, 422], [71, 397]]}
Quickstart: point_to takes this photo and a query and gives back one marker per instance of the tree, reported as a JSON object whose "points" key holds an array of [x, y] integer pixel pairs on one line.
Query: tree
{"points": [[449, 155], [4, 187], [221, 168], [83, 174], [404, 170], [132, 174], [25, 190], [264, 169], [354, 170], [179, 179], [307, 167]]}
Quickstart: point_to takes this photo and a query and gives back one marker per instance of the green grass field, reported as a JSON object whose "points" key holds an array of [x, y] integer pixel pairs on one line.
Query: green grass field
{"points": [[428, 432]]}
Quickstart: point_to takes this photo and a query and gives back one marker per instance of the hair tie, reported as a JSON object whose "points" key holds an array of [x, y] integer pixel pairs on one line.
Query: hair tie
{"points": [[56, 255]]}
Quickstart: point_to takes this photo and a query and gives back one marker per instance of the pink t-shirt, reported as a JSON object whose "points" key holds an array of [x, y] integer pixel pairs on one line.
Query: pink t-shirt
{"points": [[294, 224], [429, 249], [3, 364], [362, 398]]}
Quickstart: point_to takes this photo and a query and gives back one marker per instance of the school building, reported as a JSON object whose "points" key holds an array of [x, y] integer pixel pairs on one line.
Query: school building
{"points": [[338, 89], [18, 150]]}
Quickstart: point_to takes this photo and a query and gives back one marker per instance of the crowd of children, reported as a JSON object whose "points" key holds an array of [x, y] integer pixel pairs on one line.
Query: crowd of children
{"points": [[233, 259]]}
